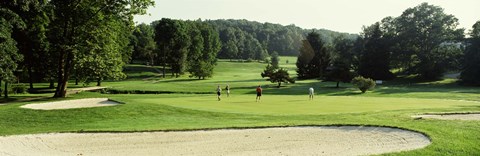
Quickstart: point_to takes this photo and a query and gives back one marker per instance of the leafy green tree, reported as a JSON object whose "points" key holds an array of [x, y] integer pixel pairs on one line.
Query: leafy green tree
{"points": [[422, 30], [31, 41], [173, 40], [322, 58], [303, 59], [345, 52], [471, 71], [9, 20], [71, 19], [229, 49], [363, 84], [277, 75], [375, 59], [274, 59], [101, 57], [144, 43], [211, 48], [339, 72]]}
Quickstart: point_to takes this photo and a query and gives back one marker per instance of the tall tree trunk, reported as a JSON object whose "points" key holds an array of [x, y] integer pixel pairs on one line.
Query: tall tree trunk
{"points": [[0, 88], [6, 91], [52, 84], [99, 82], [76, 81], [164, 60], [173, 73], [279, 83], [60, 75], [30, 76], [338, 83], [63, 78]]}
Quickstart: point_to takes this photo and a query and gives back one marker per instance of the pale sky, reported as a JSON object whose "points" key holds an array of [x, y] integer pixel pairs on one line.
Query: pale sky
{"points": [[337, 15]]}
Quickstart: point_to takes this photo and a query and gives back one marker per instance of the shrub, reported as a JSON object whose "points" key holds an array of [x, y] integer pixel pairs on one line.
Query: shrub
{"points": [[363, 84], [19, 89]]}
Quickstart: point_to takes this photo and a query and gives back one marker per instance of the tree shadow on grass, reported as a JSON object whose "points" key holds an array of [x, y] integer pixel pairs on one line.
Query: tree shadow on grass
{"points": [[25, 99], [178, 80]]}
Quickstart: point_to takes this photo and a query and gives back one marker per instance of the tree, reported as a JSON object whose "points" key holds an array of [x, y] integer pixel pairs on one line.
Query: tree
{"points": [[471, 71], [274, 59], [173, 40], [363, 84], [321, 60], [144, 43], [195, 49], [303, 59], [276, 75], [339, 72], [71, 18], [375, 59], [32, 41], [211, 48], [422, 30], [8, 51], [101, 57]]}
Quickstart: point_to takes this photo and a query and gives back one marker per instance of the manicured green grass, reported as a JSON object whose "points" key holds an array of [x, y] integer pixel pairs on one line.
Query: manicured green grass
{"points": [[390, 104], [300, 105], [180, 112]]}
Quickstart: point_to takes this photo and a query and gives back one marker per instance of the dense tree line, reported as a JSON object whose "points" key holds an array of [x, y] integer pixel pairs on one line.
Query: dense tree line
{"points": [[242, 39], [60, 40], [180, 45], [422, 41], [471, 70]]}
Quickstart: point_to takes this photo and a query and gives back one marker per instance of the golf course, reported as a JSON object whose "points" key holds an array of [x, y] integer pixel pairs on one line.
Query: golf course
{"points": [[191, 105], [239, 78]]}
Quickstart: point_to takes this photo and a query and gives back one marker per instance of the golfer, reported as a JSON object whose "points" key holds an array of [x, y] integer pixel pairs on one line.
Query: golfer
{"points": [[310, 93], [219, 91], [259, 93], [227, 88]]}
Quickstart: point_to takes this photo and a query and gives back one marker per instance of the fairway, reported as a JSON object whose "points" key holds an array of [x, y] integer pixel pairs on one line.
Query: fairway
{"points": [[300, 105]]}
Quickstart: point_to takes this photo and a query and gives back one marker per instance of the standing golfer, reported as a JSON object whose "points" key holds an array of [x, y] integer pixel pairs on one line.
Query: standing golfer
{"points": [[219, 91], [310, 93], [259, 93], [227, 88]]}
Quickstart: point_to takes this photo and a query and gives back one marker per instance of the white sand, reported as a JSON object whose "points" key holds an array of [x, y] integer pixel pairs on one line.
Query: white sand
{"points": [[343, 140], [68, 104], [451, 116]]}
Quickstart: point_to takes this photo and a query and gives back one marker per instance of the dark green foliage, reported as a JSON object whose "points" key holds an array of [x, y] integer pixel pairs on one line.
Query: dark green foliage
{"points": [[313, 66], [303, 59], [422, 30], [285, 40], [346, 52], [203, 50], [471, 72], [173, 40], [274, 59], [339, 72], [276, 75], [72, 23], [375, 58], [9, 56], [363, 84], [18, 89], [102, 56]]}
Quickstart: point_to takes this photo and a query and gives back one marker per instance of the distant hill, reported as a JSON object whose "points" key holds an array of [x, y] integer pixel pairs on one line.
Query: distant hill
{"points": [[284, 39]]}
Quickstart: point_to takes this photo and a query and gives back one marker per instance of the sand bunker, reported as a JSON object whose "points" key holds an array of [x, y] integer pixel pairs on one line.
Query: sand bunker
{"points": [[68, 104], [451, 116], [328, 140]]}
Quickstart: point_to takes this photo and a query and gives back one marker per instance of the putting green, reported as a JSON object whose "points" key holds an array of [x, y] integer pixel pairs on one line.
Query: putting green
{"points": [[295, 104]]}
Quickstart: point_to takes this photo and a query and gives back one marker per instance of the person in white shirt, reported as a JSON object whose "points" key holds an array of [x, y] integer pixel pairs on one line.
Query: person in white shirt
{"points": [[310, 93], [228, 90]]}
